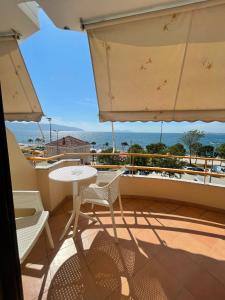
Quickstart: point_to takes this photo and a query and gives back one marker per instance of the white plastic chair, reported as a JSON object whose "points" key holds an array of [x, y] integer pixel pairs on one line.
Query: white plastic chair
{"points": [[104, 193], [29, 228]]}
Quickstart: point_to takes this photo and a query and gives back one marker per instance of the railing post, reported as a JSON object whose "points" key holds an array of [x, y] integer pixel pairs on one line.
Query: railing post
{"points": [[205, 171], [132, 164], [210, 178]]}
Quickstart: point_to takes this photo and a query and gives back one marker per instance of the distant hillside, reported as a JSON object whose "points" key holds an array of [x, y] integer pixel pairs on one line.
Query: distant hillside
{"points": [[33, 126]]}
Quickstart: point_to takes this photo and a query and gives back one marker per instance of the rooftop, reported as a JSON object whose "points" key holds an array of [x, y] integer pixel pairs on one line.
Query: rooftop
{"points": [[166, 251], [68, 141]]}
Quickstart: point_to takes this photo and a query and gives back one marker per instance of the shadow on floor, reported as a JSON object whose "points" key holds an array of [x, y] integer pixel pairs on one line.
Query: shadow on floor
{"points": [[136, 268]]}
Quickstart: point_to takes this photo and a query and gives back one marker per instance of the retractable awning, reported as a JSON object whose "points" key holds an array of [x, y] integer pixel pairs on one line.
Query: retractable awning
{"points": [[166, 65], [20, 101]]}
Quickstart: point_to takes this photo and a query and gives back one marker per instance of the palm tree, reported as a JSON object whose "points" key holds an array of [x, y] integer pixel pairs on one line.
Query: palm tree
{"points": [[30, 141], [93, 144], [124, 144], [37, 140], [106, 145]]}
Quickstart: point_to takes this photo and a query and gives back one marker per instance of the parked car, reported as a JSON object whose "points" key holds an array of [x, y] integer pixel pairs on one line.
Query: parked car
{"points": [[218, 169], [200, 169]]}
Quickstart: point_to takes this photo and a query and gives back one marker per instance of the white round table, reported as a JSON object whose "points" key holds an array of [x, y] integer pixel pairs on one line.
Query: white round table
{"points": [[73, 174]]}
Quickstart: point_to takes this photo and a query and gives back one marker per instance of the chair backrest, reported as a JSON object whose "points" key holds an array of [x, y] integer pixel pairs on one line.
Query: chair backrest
{"points": [[27, 199], [113, 187]]}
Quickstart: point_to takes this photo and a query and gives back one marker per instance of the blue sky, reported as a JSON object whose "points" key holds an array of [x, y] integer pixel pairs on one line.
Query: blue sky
{"points": [[60, 67]]}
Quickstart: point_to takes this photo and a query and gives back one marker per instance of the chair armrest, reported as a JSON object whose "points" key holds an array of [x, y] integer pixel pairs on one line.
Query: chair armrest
{"points": [[95, 192]]}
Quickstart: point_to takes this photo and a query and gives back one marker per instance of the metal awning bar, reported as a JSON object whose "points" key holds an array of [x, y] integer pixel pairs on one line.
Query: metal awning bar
{"points": [[156, 10]]}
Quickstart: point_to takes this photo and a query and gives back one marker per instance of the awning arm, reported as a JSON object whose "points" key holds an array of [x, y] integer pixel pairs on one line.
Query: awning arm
{"points": [[10, 34]]}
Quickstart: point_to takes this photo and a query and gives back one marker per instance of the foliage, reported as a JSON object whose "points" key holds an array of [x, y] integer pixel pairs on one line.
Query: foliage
{"points": [[221, 151], [156, 148], [196, 149], [110, 159], [177, 149], [207, 151], [167, 163], [190, 138], [139, 160]]}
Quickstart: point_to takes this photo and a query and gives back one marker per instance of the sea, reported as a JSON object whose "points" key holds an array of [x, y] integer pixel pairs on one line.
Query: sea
{"points": [[100, 138]]}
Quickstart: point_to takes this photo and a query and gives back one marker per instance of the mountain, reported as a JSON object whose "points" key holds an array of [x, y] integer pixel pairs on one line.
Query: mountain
{"points": [[33, 126]]}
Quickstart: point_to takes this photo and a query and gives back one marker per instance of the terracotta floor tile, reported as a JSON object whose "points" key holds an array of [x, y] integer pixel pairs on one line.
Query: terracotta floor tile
{"points": [[188, 243], [189, 211], [177, 262], [185, 295], [58, 220], [204, 286], [72, 280], [216, 267], [131, 256], [56, 260], [36, 279], [165, 251], [153, 282], [148, 242], [39, 251], [106, 274], [214, 217], [163, 207], [124, 292], [105, 245]]}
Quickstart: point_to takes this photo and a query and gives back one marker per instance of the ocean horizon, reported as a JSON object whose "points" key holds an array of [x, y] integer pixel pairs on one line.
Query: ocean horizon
{"points": [[100, 138]]}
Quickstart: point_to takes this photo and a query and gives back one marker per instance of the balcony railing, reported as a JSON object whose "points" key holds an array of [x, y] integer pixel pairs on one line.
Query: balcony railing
{"points": [[206, 162]]}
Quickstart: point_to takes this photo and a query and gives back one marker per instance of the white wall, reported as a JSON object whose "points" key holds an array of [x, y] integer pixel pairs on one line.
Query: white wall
{"points": [[191, 192]]}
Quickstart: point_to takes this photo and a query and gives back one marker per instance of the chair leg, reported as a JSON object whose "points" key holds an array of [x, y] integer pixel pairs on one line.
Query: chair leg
{"points": [[77, 213], [92, 206], [49, 235], [121, 206], [113, 222]]}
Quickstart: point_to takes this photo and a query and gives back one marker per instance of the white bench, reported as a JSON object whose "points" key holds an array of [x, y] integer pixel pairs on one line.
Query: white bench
{"points": [[29, 228]]}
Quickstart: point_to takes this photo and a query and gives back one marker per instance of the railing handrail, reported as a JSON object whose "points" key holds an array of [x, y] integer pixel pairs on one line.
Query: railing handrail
{"points": [[160, 169], [128, 154]]}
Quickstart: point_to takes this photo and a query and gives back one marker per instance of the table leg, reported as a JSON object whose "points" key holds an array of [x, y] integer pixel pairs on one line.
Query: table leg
{"points": [[67, 225], [75, 193], [77, 214]]}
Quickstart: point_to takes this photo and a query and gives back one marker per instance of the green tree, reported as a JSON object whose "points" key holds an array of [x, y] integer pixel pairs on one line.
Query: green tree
{"points": [[190, 138], [197, 148], [139, 160], [157, 148], [110, 159], [221, 151], [93, 144], [207, 151], [177, 149]]}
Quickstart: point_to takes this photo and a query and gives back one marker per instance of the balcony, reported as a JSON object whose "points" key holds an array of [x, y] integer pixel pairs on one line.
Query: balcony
{"points": [[166, 250], [171, 240]]}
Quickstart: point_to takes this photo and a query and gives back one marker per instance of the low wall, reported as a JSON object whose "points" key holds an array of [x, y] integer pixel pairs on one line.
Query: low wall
{"points": [[184, 191]]}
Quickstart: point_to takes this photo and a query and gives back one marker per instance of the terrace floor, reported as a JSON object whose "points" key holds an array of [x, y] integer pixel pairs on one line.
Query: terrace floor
{"points": [[165, 251]]}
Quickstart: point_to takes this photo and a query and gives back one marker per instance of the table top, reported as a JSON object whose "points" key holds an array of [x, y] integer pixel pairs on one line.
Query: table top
{"points": [[73, 173]]}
